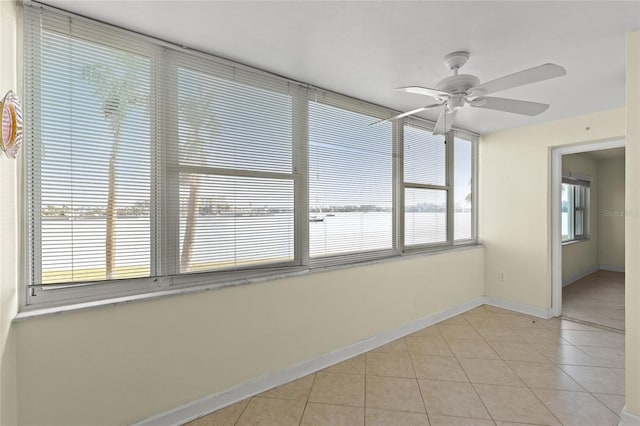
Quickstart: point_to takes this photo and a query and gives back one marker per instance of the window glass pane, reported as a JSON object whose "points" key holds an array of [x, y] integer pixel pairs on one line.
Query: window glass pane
{"points": [[579, 220], [94, 161], [567, 212], [462, 170], [237, 221], [241, 219], [228, 124], [424, 157], [350, 182], [425, 217]]}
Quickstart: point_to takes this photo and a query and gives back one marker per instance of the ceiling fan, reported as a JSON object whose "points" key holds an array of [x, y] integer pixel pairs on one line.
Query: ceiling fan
{"points": [[455, 91]]}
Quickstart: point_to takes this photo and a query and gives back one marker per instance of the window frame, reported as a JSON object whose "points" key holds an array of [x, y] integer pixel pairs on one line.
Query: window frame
{"points": [[165, 247], [375, 112], [580, 187], [449, 186], [172, 168], [67, 293]]}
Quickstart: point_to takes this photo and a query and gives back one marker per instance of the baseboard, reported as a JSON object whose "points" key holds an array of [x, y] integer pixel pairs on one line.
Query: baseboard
{"points": [[263, 383], [518, 307], [581, 274], [612, 268], [628, 419]]}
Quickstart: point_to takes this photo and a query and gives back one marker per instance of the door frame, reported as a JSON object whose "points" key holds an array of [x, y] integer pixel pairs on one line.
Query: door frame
{"points": [[556, 212]]}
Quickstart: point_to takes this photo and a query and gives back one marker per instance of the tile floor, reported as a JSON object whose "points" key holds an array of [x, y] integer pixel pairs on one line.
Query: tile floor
{"points": [[488, 366], [597, 298]]}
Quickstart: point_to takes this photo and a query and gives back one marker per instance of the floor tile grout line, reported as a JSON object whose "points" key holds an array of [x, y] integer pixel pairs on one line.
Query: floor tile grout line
{"points": [[242, 412], [306, 402], [364, 420], [424, 405], [545, 406]]}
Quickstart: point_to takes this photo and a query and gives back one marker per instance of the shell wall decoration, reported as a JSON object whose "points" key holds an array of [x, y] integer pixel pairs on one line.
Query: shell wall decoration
{"points": [[11, 128]]}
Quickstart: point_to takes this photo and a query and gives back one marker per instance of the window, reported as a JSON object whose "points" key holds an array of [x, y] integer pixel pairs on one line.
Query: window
{"points": [[234, 160], [463, 189], [350, 182], [149, 168], [89, 159], [575, 209], [425, 187]]}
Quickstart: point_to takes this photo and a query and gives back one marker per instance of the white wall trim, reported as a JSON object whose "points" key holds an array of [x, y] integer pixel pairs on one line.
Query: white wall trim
{"points": [[628, 419], [612, 268], [518, 307], [580, 274], [193, 410]]}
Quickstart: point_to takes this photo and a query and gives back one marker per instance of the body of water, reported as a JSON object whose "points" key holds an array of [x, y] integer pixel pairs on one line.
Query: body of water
{"points": [[226, 241]]}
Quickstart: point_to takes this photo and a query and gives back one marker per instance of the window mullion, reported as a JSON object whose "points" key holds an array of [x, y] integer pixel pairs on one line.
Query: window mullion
{"points": [[301, 173], [170, 176], [450, 185], [398, 187]]}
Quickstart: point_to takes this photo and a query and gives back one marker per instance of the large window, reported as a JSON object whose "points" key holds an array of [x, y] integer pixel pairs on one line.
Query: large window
{"points": [[350, 182], [234, 156], [438, 188], [425, 187], [575, 209], [90, 160], [150, 168]]}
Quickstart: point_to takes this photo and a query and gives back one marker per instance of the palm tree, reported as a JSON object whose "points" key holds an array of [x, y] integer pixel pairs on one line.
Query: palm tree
{"points": [[198, 118], [116, 91]]}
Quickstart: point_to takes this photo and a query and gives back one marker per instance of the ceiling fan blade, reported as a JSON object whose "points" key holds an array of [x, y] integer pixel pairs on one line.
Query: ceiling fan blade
{"points": [[406, 114], [532, 75], [445, 121], [425, 91], [511, 105]]}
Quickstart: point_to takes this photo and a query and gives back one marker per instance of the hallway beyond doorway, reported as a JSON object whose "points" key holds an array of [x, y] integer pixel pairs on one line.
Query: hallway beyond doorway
{"points": [[597, 298]]}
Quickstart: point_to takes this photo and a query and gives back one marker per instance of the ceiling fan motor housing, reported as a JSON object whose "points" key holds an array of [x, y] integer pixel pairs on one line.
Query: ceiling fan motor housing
{"points": [[458, 84]]}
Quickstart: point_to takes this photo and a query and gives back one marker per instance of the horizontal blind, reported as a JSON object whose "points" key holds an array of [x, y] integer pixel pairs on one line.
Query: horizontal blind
{"points": [[232, 158], [350, 184], [90, 100], [425, 190]]}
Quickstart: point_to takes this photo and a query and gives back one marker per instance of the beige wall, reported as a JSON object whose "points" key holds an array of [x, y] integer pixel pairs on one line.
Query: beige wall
{"points": [[611, 212], [582, 255], [119, 364], [632, 226], [9, 15], [515, 213]]}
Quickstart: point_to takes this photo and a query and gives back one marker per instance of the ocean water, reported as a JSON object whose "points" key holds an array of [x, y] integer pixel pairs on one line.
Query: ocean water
{"points": [[224, 241]]}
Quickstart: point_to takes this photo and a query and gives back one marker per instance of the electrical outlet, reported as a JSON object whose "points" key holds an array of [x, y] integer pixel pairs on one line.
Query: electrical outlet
{"points": [[501, 275]]}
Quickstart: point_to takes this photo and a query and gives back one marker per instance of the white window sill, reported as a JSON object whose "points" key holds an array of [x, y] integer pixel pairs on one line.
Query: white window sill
{"points": [[569, 242]]}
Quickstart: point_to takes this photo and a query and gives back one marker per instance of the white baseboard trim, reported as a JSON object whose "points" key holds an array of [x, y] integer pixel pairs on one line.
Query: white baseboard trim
{"points": [[199, 408], [580, 274], [628, 419], [612, 268], [518, 307]]}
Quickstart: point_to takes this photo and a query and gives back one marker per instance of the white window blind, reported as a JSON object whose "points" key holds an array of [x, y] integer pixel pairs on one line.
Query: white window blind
{"points": [[462, 192], [350, 183], [425, 187], [234, 155], [89, 152]]}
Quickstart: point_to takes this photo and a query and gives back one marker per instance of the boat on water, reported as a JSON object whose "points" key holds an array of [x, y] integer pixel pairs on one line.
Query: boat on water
{"points": [[316, 219]]}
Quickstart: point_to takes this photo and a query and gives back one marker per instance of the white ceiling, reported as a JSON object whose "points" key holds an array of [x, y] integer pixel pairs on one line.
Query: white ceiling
{"points": [[365, 49]]}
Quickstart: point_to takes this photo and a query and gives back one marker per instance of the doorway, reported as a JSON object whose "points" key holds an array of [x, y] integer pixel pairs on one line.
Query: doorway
{"points": [[588, 233]]}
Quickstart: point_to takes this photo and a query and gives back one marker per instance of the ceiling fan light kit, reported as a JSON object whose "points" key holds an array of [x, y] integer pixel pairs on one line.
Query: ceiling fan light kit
{"points": [[453, 92]]}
